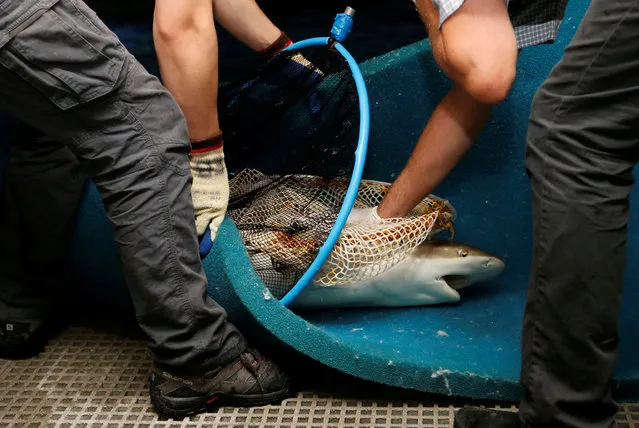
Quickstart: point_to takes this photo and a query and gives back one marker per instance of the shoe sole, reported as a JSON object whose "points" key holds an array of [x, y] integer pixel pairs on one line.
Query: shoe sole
{"points": [[23, 353], [180, 408], [468, 417]]}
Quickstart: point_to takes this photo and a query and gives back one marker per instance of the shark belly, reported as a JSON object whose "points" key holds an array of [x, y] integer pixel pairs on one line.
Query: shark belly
{"points": [[409, 283]]}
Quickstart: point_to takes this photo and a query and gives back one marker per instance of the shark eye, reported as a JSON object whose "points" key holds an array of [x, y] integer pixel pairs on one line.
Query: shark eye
{"points": [[462, 253]]}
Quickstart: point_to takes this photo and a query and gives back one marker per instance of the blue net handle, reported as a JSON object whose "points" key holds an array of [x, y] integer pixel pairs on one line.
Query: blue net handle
{"points": [[341, 28], [339, 32]]}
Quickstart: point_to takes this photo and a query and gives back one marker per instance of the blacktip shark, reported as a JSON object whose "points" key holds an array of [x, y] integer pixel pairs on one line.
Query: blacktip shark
{"points": [[431, 274]]}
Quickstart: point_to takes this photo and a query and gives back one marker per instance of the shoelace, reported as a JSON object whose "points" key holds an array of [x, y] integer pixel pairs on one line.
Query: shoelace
{"points": [[253, 366]]}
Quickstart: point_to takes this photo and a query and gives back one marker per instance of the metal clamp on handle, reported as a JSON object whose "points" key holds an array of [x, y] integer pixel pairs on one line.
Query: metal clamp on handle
{"points": [[342, 25]]}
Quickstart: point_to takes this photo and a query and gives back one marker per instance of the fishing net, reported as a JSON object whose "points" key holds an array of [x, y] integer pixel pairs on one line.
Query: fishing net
{"points": [[283, 229], [291, 128], [297, 113]]}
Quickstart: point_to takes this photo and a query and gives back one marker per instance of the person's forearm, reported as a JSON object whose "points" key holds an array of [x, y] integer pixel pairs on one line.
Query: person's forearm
{"points": [[455, 124], [246, 22], [186, 46]]}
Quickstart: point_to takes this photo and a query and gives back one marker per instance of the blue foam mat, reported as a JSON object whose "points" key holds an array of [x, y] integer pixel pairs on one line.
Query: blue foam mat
{"points": [[470, 349], [396, 347]]}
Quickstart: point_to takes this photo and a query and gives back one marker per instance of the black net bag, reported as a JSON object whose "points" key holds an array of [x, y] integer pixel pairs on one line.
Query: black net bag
{"points": [[296, 114], [291, 128]]}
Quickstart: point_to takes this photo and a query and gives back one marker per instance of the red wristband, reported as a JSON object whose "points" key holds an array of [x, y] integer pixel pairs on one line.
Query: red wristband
{"points": [[276, 47], [207, 145]]}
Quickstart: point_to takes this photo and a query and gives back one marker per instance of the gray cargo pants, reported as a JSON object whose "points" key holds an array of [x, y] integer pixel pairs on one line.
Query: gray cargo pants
{"points": [[583, 143], [67, 75]]}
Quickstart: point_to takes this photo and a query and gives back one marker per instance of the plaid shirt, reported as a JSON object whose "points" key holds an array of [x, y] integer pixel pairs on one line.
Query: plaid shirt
{"points": [[535, 21]]}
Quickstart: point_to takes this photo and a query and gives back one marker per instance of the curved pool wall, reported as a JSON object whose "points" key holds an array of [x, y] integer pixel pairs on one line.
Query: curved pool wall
{"points": [[470, 349]]}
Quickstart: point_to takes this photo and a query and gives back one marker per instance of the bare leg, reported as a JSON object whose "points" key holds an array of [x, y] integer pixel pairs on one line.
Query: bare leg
{"points": [[246, 22], [476, 48]]}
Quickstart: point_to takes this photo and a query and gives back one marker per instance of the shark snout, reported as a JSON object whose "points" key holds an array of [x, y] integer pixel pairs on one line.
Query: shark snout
{"points": [[474, 271], [488, 269], [495, 264]]}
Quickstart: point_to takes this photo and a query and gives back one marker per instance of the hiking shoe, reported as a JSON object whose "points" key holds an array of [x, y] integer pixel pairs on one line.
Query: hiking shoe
{"points": [[475, 417], [21, 340], [249, 380]]}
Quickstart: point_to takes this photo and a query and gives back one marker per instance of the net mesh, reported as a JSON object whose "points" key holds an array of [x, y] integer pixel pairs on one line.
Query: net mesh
{"points": [[291, 128], [284, 229], [296, 114]]}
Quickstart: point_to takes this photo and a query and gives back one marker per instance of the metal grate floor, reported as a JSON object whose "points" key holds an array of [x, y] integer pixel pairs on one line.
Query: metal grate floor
{"points": [[90, 379]]}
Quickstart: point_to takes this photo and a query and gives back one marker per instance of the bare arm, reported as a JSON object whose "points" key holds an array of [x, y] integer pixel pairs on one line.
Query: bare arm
{"points": [[476, 48], [186, 45], [246, 22]]}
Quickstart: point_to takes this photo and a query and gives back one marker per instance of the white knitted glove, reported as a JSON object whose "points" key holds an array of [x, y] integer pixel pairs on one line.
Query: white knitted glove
{"points": [[210, 188], [364, 215]]}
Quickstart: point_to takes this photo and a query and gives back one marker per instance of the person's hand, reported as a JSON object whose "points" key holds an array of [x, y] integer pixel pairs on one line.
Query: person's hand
{"points": [[364, 216], [298, 70], [210, 188], [300, 73], [310, 75]]}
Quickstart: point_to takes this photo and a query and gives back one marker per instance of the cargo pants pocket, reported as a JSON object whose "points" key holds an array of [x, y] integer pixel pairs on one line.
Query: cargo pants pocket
{"points": [[66, 55]]}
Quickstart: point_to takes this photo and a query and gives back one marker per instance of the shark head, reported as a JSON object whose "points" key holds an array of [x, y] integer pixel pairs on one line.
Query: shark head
{"points": [[459, 265], [430, 274]]}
